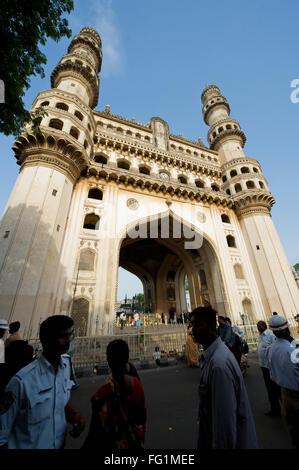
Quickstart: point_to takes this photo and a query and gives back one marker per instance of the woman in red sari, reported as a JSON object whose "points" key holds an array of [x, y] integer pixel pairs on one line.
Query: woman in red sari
{"points": [[118, 407]]}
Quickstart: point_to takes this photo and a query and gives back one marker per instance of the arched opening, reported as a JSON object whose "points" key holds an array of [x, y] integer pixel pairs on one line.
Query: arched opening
{"points": [[228, 192], [224, 179], [214, 187], [100, 159], [45, 103], [91, 222], [79, 314], [261, 184], [144, 170], [244, 169], [79, 115], [199, 184], [95, 193], [225, 218], [255, 170], [231, 242], [62, 106], [86, 261], [74, 132], [238, 188], [56, 124], [130, 297], [182, 179], [162, 263], [233, 173], [250, 184], [123, 165], [239, 271]]}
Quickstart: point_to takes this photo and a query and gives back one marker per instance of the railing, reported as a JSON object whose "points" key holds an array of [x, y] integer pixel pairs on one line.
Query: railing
{"points": [[142, 341]]}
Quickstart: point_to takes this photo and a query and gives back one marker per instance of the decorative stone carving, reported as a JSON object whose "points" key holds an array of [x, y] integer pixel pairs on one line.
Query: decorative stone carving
{"points": [[132, 204]]}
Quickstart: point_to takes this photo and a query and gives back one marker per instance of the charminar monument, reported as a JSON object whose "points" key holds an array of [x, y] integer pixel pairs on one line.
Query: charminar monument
{"points": [[97, 191]]}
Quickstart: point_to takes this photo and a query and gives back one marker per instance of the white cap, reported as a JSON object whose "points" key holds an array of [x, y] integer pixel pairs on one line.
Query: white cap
{"points": [[278, 323], [3, 325]]}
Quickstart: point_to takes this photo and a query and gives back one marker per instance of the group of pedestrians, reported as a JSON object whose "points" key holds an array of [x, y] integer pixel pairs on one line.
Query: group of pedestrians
{"points": [[35, 406], [279, 362]]}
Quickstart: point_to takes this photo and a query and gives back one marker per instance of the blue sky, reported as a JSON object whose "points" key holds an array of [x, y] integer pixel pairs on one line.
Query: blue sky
{"points": [[159, 55]]}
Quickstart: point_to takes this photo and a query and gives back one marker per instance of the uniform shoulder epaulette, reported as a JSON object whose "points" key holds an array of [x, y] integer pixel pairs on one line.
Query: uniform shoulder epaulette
{"points": [[26, 370]]}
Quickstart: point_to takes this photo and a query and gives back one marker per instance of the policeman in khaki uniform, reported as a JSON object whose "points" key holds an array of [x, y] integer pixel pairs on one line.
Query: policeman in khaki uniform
{"points": [[35, 408]]}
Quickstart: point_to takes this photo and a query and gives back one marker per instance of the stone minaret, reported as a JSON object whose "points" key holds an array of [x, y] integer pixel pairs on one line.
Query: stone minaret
{"points": [[252, 201], [34, 223]]}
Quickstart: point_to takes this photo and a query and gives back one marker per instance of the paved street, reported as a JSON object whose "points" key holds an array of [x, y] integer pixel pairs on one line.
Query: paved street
{"points": [[171, 397]]}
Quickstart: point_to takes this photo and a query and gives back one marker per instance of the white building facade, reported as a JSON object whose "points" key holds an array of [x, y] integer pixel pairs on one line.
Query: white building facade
{"points": [[97, 191]]}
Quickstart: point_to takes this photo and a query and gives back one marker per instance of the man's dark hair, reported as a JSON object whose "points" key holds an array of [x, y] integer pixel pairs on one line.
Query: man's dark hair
{"points": [[117, 355], [226, 319], [53, 326], [207, 314], [275, 313], [14, 327], [221, 317], [262, 322], [284, 334]]}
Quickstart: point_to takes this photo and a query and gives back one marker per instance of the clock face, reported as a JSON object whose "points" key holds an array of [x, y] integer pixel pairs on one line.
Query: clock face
{"points": [[164, 175]]}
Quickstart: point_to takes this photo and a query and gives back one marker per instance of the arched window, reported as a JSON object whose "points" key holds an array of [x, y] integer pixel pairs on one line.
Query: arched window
{"points": [[231, 242], [238, 188], [144, 170], [80, 311], [74, 132], [255, 170], [225, 218], [203, 279], [79, 115], [62, 106], [100, 159], [199, 184], [45, 103], [123, 164], [239, 271], [250, 184], [91, 222], [182, 179], [261, 184], [233, 173], [244, 169], [56, 124], [171, 276], [224, 178], [214, 187], [95, 193], [228, 192], [86, 261]]}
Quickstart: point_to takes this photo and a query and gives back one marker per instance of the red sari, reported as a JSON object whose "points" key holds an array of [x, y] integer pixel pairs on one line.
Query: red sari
{"points": [[118, 420]]}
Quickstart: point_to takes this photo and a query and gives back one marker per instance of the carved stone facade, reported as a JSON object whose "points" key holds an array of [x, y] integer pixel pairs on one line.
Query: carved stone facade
{"points": [[97, 191]]}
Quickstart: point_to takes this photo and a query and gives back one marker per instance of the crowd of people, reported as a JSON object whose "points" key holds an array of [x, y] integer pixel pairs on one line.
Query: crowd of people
{"points": [[35, 402]]}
